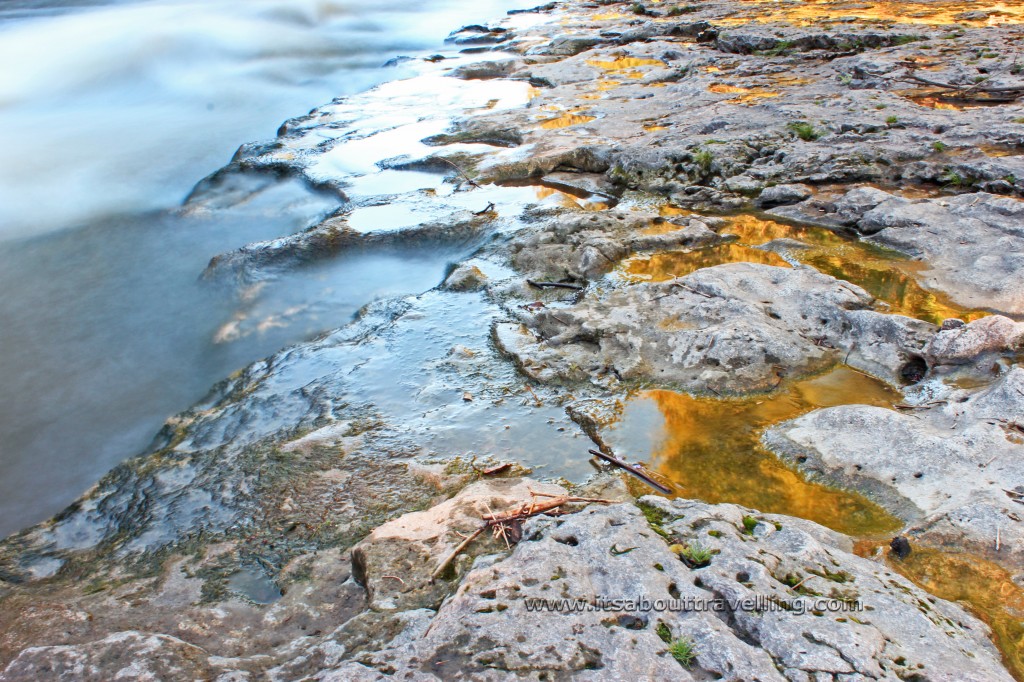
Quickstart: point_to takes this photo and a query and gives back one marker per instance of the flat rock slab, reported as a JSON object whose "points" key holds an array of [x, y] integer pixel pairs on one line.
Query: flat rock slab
{"points": [[955, 468], [735, 327], [502, 621]]}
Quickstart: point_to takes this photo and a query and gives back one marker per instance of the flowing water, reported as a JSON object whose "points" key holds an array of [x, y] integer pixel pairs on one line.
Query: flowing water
{"points": [[109, 114]]}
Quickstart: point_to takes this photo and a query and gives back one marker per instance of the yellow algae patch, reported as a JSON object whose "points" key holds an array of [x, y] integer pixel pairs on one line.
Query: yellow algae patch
{"points": [[986, 587], [746, 94], [623, 63], [710, 448], [930, 13], [935, 101], [666, 265], [565, 120], [997, 151], [725, 89], [790, 81], [887, 275], [667, 211], [607, 15], [567, 200], [752, 97], [654, 128]]}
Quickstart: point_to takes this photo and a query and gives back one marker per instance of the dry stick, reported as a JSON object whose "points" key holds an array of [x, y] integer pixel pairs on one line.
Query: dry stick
{"points": [[959, 88], [492, 520], [572, 499], [535, 398], [611, 459], [554, 285], [461, 172], [455, 552]]}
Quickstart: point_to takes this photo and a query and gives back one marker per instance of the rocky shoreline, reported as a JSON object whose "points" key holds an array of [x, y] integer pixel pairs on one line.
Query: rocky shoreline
{"points": [[672, 211]]}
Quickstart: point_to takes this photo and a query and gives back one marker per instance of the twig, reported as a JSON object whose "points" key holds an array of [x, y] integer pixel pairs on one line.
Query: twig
{"points": [[394, 577], [455, 552], [961, 88], [693, 291], [554, 285], [535, 398], [461, 172], [486, 209], [612, 459]]}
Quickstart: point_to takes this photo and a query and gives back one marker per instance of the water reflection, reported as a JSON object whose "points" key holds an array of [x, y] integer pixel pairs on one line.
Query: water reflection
{"points": [[710, 448], [989, 590], [886, 275]]}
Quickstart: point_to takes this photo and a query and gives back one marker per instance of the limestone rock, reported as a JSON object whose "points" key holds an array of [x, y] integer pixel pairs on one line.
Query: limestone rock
{"points": [[631, 593], [945, 468], [962, 344], [121, 655], [734, 327], [781, 195], [396, 560], [466, 278]]}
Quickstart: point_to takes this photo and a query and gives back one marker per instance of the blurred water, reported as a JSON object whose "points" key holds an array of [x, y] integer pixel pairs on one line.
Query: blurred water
{"points": [[122, 107], [109, 113]]}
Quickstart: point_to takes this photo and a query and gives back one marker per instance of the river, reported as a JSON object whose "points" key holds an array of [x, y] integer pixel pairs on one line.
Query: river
{"points": [[109, 114]]}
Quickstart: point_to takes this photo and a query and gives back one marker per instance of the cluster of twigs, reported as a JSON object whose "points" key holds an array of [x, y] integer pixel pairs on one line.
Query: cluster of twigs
{"points": [[976, 92], [508, 525]]}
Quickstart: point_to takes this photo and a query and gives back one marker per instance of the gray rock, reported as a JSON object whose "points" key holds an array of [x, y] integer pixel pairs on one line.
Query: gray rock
{"points": [[945, 467], [960, 344], [734, 327], [568, 45], [631, 588], [121, 655], [466, 277], [587, 246], [781, 195]]}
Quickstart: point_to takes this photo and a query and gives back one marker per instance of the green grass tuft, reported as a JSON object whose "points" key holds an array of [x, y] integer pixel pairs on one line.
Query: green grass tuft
{"points": [[696, 555], [683, 651], [804, 130]]}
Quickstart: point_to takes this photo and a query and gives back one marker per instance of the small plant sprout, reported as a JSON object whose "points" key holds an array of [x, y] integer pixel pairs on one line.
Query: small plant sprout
{"points": [[892, 120], [683, 651], [749, 524], [696, 555], [704, 159], [939, 146], [804, 130]]}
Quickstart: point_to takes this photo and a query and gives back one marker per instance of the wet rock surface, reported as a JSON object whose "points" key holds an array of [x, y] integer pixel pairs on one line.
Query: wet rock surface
{"points": [[286, 527], [910, 459], [971, 243], [739, 327]]}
